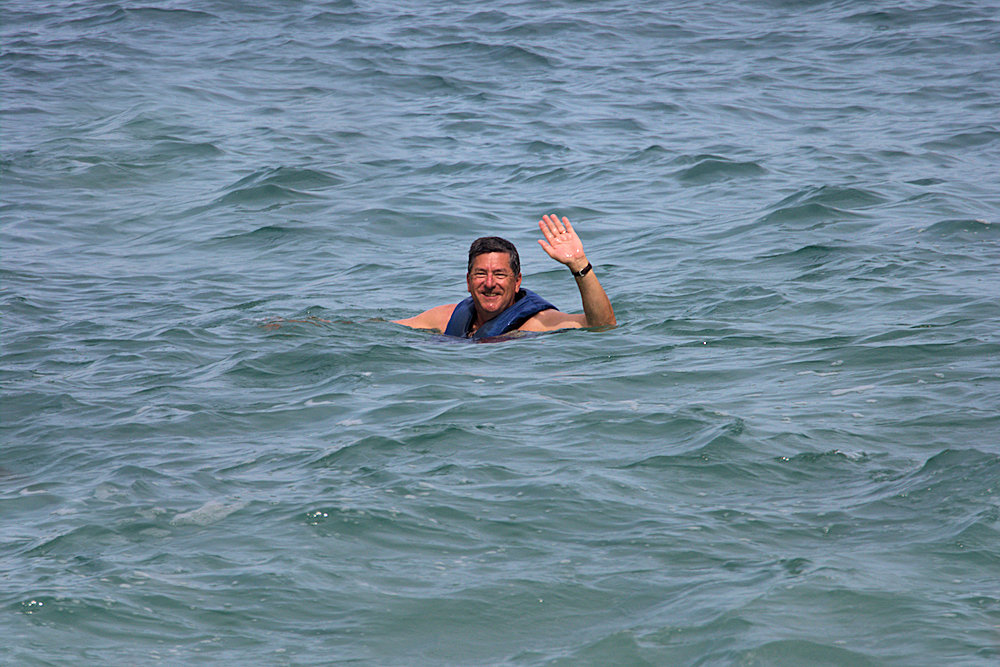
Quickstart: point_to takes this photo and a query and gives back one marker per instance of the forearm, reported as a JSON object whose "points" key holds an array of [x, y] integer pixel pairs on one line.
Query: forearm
{"points": [[596, 305], [435, 319], [563, 245]]}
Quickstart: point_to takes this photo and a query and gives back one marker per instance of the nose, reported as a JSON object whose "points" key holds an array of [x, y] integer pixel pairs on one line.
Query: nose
{"points": [[490, 280]]}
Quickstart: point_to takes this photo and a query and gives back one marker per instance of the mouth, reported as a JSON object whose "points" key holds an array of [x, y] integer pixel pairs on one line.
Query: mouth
{"points": [[491, 296]]}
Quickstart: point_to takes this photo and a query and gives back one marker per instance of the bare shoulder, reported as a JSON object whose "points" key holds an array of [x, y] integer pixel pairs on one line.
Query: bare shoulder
{"points": [[435, 319], [550, 320]]}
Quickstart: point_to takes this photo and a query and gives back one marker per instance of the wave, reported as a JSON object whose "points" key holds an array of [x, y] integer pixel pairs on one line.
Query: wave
{"points": [[843, 197], [963, 140], [182, 148], [823, 204], [932, 15], [264, 194], [707, 168], [803, 652], [511, 55], [272, 187], [171, 16], [654, 153], [810, 255], [272, 236], [966, 230], [290, 177]]}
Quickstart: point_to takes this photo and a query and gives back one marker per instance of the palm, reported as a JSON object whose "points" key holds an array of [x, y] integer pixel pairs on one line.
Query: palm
{"points": [[561, 241]]}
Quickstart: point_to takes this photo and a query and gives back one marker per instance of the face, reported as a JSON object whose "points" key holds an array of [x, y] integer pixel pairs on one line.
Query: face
{"points": [[492, 284]]}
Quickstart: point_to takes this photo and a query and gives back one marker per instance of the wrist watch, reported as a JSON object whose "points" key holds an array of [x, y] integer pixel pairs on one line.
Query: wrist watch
{"points": [[582, 272]]}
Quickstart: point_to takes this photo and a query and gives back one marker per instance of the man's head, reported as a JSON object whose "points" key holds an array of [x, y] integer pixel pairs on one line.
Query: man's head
{"points": [[495, 244], [494, 275]]}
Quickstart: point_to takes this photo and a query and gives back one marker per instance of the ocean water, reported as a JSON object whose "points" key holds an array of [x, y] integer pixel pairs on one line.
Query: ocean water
{"points": [[216, 448]]}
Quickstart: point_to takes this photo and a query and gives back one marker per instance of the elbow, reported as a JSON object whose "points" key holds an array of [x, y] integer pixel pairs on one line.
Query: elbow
{"points": [[606, 322]]}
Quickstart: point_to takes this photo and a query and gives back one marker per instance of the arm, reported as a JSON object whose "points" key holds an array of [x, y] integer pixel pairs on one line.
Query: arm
{"points": [[563, 245], [435, 319]]}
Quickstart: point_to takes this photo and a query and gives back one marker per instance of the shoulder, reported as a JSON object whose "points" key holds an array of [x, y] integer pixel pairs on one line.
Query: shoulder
{"points": [[434, 319], [552, 319]]}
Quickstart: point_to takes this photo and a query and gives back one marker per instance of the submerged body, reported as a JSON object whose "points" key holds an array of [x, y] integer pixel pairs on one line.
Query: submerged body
{"points": [[526, 305], [494, 283]]}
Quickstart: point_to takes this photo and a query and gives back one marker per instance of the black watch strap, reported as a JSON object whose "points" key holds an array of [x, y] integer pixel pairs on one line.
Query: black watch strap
{"points": [[584, 271]]}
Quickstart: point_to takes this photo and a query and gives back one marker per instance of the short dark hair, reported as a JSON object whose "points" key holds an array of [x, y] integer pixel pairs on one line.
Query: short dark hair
{"points": [[486, 244]]}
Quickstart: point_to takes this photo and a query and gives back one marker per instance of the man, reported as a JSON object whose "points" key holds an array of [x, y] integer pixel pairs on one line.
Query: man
{"points": [[498, 305]]}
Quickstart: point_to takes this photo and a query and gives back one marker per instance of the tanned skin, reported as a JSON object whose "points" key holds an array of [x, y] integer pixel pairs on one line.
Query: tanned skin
{"points": [[493, 285]]}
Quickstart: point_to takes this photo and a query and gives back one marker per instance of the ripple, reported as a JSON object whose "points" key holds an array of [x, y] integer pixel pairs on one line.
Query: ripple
{"points": [[964, 230], [210, 425], [713, 168]]}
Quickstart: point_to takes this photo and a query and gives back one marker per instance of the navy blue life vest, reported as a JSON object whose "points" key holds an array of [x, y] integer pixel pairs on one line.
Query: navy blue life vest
{"points": [[526, 304]]}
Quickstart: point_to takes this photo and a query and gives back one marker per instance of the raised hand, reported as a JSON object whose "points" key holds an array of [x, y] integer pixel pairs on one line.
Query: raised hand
{"points": [[561, 242]]}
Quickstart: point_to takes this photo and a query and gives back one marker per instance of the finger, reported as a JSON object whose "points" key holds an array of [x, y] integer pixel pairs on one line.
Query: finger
{"points": [[557, 228], [569, 227], [558, 225], [544, 226], [548, 228], [547, 248]]}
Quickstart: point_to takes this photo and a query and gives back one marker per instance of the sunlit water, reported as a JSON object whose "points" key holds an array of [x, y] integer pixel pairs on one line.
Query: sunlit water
{"points": [[216, 447]]}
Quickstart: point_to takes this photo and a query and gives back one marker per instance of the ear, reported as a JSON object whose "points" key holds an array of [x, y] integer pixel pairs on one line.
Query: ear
{"points": [[468, 282], [517, 286]]}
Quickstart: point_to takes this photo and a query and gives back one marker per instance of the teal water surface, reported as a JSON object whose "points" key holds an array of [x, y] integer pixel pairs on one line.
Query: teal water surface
{"points": [[217, 448]]}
